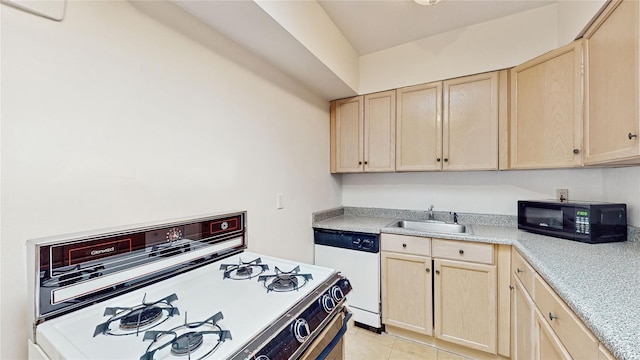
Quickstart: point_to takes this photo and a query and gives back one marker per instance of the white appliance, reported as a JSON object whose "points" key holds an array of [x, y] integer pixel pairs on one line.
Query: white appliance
{"points": [[357, 256], [179, 290]]}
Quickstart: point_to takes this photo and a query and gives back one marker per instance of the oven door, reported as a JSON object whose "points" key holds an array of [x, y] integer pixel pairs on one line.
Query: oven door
{"points": [[329, 344]]}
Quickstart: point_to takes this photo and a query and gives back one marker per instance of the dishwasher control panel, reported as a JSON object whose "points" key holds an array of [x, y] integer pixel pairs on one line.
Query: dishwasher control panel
{"points": [[347, 240]]}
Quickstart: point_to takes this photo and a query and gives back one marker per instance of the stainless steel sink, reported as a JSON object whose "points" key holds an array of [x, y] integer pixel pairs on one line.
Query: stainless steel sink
{"points": [[435, 226]]}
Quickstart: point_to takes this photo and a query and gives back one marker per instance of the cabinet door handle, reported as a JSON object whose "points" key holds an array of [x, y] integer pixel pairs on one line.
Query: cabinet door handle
{"points": [[631, 136], [461, 252], [366, 162], [359, 162], [437, 272], [511, 287], [576, 151], [552, 316], [445, 159], [519, 271], [404, 245], [428, 270], [438, 159]]}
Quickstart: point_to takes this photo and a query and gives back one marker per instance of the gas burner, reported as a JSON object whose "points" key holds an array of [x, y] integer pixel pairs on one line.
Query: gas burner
{"points": [[285, 281], [140, 317], [187, 343], [187, 340], [243, 270]]}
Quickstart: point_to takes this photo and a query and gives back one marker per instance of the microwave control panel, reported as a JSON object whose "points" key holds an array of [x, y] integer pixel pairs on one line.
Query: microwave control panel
{"points": [[582, 222]]}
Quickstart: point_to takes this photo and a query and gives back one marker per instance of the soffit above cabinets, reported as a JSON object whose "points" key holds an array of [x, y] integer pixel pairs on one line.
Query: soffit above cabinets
{"points": [[251, 26]]}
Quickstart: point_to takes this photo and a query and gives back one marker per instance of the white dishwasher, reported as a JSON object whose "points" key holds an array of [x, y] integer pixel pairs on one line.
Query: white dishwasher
{"points": [[357, 256]]}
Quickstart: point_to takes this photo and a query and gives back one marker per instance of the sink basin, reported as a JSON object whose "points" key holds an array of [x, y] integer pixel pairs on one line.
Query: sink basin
{"points": [[435, 226]]}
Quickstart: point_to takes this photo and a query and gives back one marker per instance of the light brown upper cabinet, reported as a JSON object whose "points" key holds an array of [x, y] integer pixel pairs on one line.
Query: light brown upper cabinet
{"points": [[546, 110], [470, 123], [612, 118], [419, 128], [347, 136], [450, 125], [363, 133]]}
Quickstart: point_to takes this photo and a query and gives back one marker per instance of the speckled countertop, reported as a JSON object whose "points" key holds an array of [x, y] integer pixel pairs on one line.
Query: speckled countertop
{"points": [[599, 282]]}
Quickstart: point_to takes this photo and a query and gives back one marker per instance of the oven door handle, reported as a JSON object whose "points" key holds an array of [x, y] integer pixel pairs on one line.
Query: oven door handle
{"points": [[323, 355]]}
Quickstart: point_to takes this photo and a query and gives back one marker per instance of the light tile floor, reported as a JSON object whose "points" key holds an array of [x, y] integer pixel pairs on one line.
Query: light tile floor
{"points": [[361, 344]]}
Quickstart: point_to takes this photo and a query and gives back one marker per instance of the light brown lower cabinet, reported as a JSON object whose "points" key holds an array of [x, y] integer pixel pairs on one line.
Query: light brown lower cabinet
{"points": [[547, 346], [533, 338], [445, 292], [523, 323], [543, 327], [604, 354], [465, 304], [406, 297]]}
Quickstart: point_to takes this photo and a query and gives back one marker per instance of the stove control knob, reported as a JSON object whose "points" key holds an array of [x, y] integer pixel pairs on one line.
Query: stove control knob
{"points": [[327, 303], [336, 293], [301, 330]]}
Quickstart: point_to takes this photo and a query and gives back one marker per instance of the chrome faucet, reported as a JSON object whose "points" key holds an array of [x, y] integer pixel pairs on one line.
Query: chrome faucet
{"points": [[431, 213], [455, 218]]}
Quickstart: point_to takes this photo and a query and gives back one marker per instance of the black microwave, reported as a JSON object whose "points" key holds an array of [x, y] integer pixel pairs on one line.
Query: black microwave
{"points": [[588, 222]]}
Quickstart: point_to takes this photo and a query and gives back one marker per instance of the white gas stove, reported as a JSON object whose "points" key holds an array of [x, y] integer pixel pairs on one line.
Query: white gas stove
{"points": [[179, 290]]}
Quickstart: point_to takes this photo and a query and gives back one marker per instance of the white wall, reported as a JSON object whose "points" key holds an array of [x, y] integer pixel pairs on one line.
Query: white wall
{"points": [[491, 192], [488, 46], [112, 118], [573, 16]]}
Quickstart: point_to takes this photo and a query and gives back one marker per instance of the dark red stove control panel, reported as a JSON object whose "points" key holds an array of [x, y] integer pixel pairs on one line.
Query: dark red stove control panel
{"points": [[73, 260]]}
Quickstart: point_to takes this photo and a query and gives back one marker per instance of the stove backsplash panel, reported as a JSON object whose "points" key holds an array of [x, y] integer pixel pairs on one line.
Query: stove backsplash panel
{"points": [[105, 265]]}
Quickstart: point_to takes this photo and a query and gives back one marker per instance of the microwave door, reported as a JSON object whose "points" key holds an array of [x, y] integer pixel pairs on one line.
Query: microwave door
{"points": [[545, 218]]}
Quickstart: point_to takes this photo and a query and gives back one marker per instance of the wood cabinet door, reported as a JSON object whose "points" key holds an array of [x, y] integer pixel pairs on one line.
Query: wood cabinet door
{"points": [[548, 346], [546, 110], [604, 354], [419, 128], [523, 322], [611, 84], [406, 292], [347, 139], [380, 132], [470, 123], [465, 304]]}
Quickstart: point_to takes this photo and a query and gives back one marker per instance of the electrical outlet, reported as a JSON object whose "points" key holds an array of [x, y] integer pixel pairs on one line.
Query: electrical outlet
{"points": [[562, 195], [279, 201]]}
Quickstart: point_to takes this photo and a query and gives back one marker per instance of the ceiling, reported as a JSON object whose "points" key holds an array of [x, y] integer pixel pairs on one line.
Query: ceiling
{"points": [[374, 25]]}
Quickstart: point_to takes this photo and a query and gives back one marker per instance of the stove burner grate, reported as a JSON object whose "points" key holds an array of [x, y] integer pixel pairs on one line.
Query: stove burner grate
{"points": [[283, 281], [243, 270], [140, 317], [190, 343]]}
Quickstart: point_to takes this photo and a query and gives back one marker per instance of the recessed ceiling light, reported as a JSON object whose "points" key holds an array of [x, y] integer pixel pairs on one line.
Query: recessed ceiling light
{"points": [[427, 2]]}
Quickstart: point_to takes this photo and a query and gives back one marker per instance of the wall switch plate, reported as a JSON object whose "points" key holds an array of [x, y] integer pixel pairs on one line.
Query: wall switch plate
{"points": [[279, 201], [562, 195]]}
